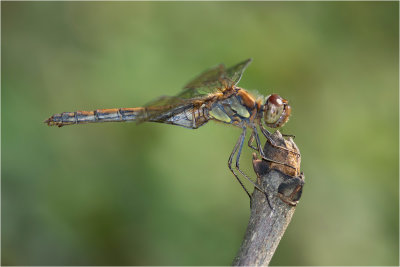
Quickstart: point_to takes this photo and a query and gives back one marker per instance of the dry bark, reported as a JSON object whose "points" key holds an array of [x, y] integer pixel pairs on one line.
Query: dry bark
{"points": [[284, 187]]}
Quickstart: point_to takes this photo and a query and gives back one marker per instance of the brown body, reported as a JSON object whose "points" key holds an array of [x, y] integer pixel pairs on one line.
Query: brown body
{"points": [[234, 103], [211, 96]]}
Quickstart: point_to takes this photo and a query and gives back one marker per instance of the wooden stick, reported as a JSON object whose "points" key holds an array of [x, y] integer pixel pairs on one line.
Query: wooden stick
{"points": [[284, 187]]}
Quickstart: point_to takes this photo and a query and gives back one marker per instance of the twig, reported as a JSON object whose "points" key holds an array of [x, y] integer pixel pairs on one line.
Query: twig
{"points": [[284, 187]]}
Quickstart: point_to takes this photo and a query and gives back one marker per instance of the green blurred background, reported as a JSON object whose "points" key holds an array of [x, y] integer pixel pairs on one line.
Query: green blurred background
{"points": [[123, 194]]}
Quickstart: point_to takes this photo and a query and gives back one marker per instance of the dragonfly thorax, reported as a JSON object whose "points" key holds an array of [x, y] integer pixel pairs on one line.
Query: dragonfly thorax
{"points": [[276, 111]]}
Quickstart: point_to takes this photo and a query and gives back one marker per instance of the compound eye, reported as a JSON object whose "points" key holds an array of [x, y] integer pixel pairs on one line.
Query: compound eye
{"points": [[276, 100], [274, 109]]}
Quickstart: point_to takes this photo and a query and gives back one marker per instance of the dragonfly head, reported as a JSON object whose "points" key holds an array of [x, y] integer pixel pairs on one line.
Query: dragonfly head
{"points": [[276, 111]]}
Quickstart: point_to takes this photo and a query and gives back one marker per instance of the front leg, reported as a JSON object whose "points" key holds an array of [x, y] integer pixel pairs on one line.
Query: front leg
{"points": [[251, 140], [240, 146], [289, 135], [268, 135], [261, 151]]}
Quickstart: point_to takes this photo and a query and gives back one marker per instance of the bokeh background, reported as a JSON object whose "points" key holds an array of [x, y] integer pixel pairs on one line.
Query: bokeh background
{"points": [[152, 194]]}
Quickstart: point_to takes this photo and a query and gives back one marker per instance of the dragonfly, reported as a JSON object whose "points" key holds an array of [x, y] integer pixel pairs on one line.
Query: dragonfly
{"points": [[212, 96]]}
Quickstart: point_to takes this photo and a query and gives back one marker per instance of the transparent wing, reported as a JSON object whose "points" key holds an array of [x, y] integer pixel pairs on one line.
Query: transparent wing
{"points": [[213, 80], [234, 74], [207, 78], [216, 79], [166, 101], [162, 105]]}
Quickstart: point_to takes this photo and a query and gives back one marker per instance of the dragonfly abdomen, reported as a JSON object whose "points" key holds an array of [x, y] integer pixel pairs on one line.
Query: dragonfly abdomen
{"points": [[98, 115]]}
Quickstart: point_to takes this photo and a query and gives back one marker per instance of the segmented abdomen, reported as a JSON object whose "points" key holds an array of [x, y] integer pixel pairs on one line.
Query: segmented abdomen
{"points": [[98, 115]]}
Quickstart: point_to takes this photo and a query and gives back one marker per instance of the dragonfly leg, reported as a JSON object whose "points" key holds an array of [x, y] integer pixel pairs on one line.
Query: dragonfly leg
{"points": [[250, 143], [258, 142], [230, 167], [241, 141], [289, 135], [261, 151], [267, 134]]}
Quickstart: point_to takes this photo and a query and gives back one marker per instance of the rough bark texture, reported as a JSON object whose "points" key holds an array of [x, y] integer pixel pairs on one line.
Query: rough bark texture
{"points": [[283, 185]]}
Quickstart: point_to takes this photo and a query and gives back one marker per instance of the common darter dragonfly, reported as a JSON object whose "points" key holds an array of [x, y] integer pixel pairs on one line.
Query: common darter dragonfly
{"points": [[211, 96]]}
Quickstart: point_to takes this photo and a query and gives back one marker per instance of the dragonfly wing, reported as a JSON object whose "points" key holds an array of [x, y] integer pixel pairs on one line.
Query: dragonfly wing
{"points": [[201, 91], [216, 79], [162, 105], [213, 80], [208, 77], [165, 101], [234, 74]]}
